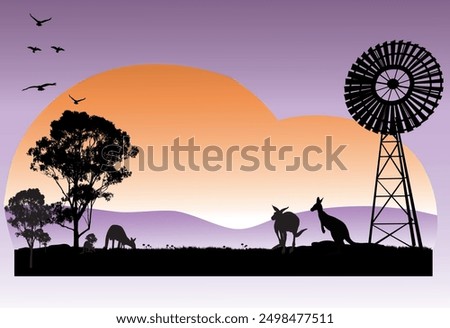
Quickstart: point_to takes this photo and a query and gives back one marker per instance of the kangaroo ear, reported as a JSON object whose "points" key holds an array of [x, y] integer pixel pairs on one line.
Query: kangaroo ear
{"points": [[321, 200], [284, 209], [318, 199], [275, 209]]}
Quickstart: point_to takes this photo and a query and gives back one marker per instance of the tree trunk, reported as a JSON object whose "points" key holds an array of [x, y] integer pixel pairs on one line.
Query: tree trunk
{"points": [[31, 257], [76, 236]]}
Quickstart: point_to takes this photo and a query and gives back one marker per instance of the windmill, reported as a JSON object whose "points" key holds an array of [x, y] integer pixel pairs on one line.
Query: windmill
{"points": [[391, 89]]}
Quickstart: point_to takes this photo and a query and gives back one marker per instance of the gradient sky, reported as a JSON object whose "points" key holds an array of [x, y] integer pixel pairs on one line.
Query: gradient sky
{"points": [[156, 104], [294, 56]]}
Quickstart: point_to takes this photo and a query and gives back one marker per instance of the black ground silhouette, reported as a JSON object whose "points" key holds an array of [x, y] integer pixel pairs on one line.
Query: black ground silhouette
{"points": [[319, 259]]}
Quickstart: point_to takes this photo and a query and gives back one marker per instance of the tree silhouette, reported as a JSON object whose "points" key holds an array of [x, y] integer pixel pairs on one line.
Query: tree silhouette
{"points": [[84, 155], [43, 237], [29, 214]]}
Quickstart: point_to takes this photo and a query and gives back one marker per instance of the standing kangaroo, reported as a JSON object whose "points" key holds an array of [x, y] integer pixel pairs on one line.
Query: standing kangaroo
{"points": [[116, 232], [286, 222], [337, 228]]}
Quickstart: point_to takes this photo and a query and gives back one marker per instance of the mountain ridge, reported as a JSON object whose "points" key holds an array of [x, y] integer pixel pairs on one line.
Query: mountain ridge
{"points": [[161, 229]]}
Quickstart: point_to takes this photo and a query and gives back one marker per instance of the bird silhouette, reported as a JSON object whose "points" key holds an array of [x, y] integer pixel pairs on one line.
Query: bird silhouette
{"points": [[39, 87], [76, 101], [57, 49], [39, 22], [34, 49]]}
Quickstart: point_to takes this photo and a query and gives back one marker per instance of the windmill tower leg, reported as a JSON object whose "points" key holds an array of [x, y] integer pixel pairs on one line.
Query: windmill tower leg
{"points": [[412, 217], [393, 189]]}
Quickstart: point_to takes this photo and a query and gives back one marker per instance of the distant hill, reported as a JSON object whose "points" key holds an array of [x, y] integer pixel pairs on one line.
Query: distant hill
{"points": [[162, 228]]}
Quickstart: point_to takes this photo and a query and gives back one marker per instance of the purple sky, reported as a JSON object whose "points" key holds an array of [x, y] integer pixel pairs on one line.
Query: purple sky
{"points": [[293, 56]]}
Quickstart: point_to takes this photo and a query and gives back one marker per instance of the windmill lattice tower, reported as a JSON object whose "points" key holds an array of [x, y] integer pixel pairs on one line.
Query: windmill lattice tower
{"points": [[391, 89]]}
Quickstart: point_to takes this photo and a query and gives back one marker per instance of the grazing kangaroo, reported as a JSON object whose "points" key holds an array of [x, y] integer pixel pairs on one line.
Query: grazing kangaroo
{"points": [[116, 232], [337, 228], [286, 222]]}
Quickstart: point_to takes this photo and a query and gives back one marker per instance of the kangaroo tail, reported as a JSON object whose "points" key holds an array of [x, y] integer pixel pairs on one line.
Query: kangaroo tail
{"points": [[300, 232], [350, 241]]}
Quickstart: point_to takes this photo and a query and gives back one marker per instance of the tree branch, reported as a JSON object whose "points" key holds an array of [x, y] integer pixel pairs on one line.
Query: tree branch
{"points": [[64, 226]]}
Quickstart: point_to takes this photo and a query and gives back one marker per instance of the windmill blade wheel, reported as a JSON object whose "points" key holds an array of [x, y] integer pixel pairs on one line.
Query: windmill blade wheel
{"points": [[393, 87]]}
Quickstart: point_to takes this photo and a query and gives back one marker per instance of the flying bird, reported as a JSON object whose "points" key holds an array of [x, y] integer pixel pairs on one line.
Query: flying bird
{"points": [[39, 22], [76, 101], [57, 49], [34, 49], [39, 87]]}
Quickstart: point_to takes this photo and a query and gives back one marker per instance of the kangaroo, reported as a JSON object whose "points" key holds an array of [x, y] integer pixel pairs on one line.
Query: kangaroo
{"points": [[116, 232], [337, 228], [286, 222]]}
